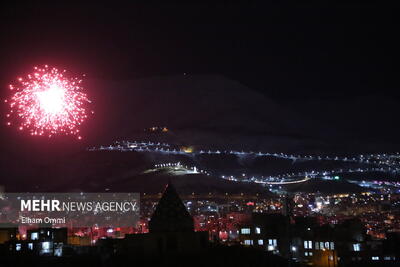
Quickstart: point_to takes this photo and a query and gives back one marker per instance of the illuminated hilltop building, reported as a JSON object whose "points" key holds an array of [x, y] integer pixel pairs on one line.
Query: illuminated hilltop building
{"points": [[157, 129], [187, 149]]}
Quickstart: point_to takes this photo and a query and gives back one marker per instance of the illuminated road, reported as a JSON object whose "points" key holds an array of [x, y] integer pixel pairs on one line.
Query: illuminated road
{"points": [[387, 163], [125, 146]]}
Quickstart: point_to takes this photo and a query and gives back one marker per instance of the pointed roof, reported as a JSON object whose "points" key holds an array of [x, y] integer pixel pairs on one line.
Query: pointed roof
{"points": [[170, 214]]}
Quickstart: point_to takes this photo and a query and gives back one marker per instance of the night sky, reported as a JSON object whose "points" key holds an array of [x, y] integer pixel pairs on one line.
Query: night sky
{"points": [[299, 51]]}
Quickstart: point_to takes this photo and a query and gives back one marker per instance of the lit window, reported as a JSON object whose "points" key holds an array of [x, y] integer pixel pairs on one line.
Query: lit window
{"points": [[321, 245], [260, 242], [34, 236], [316, 245], [327, 245], [58, 249], [308, 244], [375, 258], [30, 246], [308, 254], [248, 242], [258, 230], [245, 231], [357, 247], [45, 247], [272, 242], [17, 247], [332, 245]]}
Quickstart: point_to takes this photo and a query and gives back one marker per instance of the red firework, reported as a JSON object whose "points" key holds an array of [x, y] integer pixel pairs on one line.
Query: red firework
{"points": [[48, 102]]}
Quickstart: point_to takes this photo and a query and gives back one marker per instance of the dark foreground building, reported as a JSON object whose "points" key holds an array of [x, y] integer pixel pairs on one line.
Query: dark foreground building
{"points": [[310, 244], [172, 241], [171, 230]]}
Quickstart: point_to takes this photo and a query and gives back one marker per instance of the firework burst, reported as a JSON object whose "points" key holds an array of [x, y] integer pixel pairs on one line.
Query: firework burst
{"points": [[48, 102]]}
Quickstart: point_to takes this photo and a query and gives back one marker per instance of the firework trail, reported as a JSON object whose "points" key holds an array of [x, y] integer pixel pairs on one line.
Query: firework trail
{"points": [[48, 102]]}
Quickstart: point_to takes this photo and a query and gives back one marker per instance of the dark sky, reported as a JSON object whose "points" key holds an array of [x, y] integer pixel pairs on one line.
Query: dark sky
{"points": [[312, 50]]}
